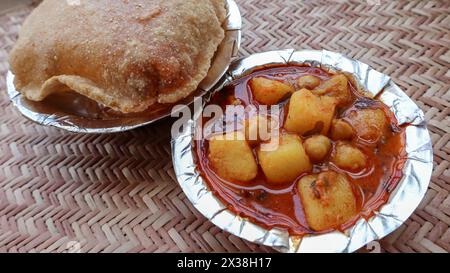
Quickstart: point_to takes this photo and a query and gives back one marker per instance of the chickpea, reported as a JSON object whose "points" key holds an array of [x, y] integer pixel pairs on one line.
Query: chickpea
{"points": [[317, 147], [349, 157], [308, 82], [341, 130]]}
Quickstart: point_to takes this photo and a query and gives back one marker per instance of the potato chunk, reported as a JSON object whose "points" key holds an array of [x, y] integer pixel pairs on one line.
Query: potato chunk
{"points": [[309, 82], [231, 157], [317, 147], [309, 114], [257, 128], [268, 91], [348, 157], [341, 130], [327, 199], [337, 87], [370, 124], [286, 162]]}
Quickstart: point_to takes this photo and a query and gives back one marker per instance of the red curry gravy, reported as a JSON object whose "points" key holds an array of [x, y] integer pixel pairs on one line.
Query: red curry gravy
{"points": [[279, 206]]}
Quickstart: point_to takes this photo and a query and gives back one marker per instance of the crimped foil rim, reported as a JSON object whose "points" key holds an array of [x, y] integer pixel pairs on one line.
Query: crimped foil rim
{"points": [[402, 201], [228, 51]]}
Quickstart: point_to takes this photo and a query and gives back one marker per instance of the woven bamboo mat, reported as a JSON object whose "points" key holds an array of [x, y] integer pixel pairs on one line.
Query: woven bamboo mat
{"points": [[117, 193]]}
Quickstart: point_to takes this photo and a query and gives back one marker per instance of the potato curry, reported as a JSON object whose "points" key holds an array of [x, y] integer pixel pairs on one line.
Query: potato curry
{"points": [[338, 156]]}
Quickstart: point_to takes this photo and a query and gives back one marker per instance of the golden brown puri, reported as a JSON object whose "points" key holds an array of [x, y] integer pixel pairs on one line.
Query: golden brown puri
{"points": [[219, 6], [127, 55]]}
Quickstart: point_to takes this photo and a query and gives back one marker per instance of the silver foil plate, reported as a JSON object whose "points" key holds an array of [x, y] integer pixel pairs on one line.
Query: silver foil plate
{"points": [[40, 113], [402, 202]]}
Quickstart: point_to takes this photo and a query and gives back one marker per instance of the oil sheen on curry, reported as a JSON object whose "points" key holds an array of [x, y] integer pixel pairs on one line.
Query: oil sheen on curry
{"points": [[338, 154]]}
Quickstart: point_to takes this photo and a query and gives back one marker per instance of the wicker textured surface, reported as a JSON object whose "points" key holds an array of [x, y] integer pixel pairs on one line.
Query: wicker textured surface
{"points": [[118, 192]]}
